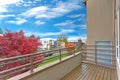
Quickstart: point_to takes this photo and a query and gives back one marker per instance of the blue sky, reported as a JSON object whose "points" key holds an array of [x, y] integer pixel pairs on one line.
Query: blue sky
{"points": [[44, 18]]}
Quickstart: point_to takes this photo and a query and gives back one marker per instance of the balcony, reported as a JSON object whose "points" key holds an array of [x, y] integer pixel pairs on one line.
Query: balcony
{"points": [[89, 63], [91, 72]]}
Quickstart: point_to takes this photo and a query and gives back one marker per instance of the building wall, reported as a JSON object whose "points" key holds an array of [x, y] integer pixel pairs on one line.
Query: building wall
{"points": [[100, 21], [118, 36], [62, 44]]}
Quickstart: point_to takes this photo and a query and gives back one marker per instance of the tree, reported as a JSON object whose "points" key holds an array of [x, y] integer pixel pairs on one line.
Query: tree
{"points": [[70, 46], [15, 44], [63, 38], [79, 43], [1, 32]]}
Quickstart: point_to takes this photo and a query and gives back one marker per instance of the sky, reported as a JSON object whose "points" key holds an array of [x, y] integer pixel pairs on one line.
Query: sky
{"points": [[44, 18]]}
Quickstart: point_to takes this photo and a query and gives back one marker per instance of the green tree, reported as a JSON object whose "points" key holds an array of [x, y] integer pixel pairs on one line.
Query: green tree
{"points": [[1, 32], [79, 43], [63, 38]]}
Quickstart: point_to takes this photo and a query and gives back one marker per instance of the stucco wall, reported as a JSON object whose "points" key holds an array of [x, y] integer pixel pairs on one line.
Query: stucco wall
{"points": [[118, 25], [100, 20], [58, 71]]}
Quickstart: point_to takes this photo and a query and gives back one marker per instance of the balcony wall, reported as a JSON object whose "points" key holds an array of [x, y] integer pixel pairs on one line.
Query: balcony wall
{"points": [[57, 71], [100, 21]]}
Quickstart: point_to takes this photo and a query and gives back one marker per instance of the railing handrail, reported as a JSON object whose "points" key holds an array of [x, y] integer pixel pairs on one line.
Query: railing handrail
{"points": [[30, 64], [89, 45], [92, 53], [31, 54]]}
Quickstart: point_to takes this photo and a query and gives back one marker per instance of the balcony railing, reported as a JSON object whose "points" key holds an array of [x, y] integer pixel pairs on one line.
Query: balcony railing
{"points": [[99, 55], [13, 66], [103, 55]]}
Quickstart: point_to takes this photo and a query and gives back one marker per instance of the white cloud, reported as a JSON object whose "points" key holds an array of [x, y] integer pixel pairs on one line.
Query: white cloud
{"points": [[63, 31], [18, 21], [5, 16], [67, 31], [8, 2], [65, 23], [35, 11], [47, 39], [26, 3], [39, 22], [70, 24], [75, 38], [83, 26], [60, 9], [2, 9], [76, 16], [4, 4]]}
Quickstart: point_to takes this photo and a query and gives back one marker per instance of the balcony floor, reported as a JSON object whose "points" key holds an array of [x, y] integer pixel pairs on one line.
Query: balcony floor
{"points": [[91, 72]]}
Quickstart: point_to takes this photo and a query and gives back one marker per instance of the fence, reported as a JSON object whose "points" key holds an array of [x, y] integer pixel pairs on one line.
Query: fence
{"points": [[13, 66]]}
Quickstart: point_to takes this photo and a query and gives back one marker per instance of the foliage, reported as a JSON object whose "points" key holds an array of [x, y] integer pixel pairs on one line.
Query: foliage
{"points": [[70, 47], [79, 43], [1, 32], [63, 38], [14, 44]]}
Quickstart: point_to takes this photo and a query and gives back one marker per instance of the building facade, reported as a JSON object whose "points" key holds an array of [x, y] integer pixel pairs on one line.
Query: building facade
{"points": [[103, 22], [117, 35]]}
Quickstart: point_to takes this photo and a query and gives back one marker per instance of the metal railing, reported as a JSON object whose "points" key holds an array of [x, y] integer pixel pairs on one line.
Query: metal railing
{"points": [[13, 66], [99, 55], [102, 55]]}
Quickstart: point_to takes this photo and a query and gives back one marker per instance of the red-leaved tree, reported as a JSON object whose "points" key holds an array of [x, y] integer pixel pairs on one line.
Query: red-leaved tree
{"points": [[70, 46], [16, 44]]}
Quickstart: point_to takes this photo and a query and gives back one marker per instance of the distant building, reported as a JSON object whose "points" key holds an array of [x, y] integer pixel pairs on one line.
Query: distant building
{"points": [[48, 44], [51, 44], [45, 45], [62, 44], [55, 44]]}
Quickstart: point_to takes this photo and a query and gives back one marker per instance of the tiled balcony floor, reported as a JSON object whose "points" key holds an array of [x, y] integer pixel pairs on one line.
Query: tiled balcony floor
{"points": [[91, 72]]}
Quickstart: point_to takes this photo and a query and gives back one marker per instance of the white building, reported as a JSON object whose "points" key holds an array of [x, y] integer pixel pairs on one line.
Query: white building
{"points": [[45, 45]]}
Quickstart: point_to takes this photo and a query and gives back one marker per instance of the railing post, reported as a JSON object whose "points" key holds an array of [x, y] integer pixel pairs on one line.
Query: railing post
{"points": [[95, 54], [74, 52], [60, 54], [31, 62], [84, 55]]}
